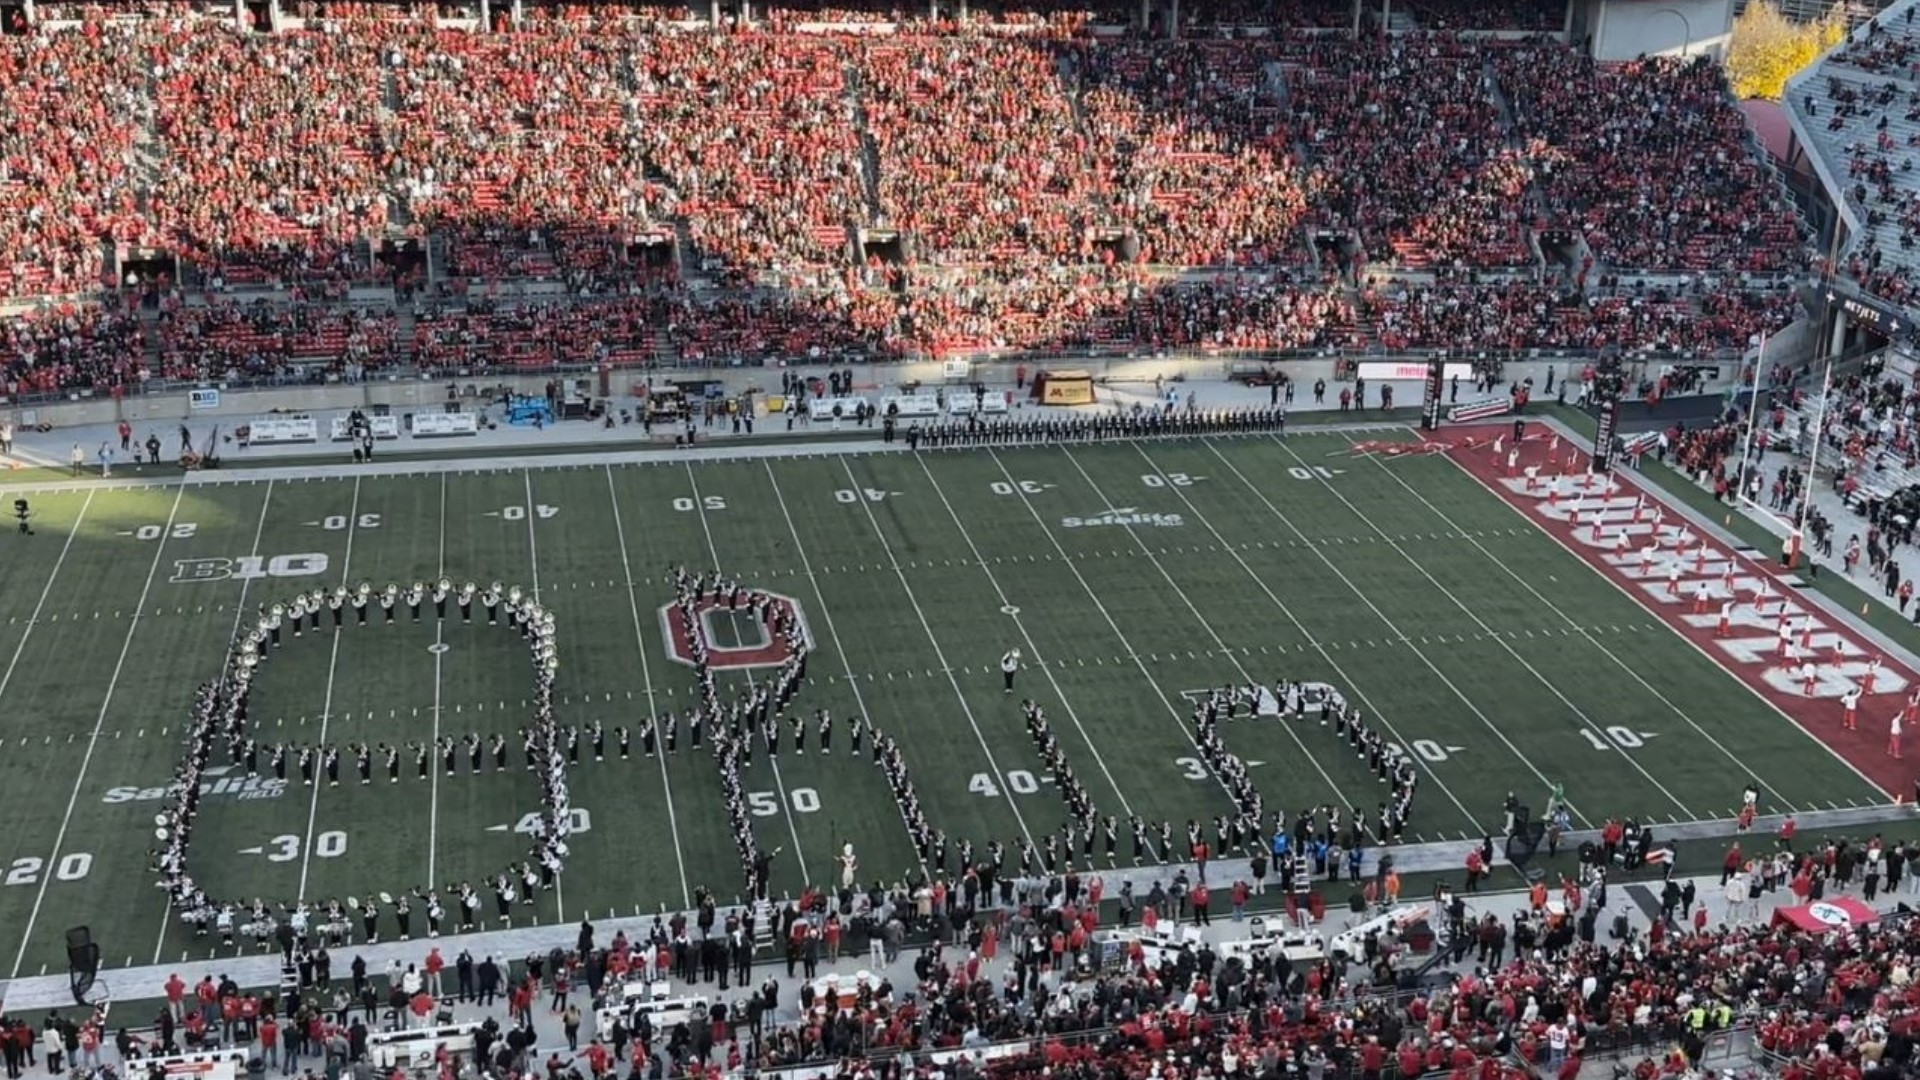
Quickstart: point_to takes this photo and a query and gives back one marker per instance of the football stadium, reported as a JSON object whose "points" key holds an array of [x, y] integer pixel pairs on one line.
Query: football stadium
{"points": [[1108, 541]]}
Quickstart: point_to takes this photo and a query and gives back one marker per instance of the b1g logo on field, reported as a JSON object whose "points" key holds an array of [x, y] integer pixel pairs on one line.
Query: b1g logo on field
{"points": [[735, 637], [248, 568]]}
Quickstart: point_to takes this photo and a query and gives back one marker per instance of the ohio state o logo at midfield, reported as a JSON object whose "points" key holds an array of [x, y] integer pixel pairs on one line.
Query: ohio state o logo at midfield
{"points": [[767, 649]]}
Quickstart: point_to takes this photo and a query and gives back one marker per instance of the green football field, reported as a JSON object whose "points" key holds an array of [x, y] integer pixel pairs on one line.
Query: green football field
{"points": [[1240, 560]]}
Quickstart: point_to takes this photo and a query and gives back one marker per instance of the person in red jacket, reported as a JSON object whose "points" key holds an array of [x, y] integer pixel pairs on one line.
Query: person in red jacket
{"points": [[1202, 898], [1373, 1058], [176, 996]]}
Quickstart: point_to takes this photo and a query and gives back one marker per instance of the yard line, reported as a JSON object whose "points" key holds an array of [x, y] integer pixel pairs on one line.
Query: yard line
{"points": [[1179, 717], [93, 741], [533, 562], [779, 781], [533, 545], [646, 674], [34, 619], [833, 632], [1350, 686], [1586, 721], [326, 700], [239, 612], [1007, 604], [1574, 625], [939, 654], [439, 652]]}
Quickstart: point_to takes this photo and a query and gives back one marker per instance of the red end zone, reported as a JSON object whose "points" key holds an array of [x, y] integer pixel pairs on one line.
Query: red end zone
{"points": [[1739, 609]]}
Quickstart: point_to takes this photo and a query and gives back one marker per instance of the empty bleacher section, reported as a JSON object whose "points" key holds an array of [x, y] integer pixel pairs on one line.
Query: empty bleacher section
{"points": [[627, 184]]}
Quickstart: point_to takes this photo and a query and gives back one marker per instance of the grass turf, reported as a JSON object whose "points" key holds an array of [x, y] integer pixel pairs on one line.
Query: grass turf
{"points": [[1245, 559]]}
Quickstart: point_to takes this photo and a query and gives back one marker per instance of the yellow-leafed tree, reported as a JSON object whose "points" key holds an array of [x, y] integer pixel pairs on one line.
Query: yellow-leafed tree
{"points": [[1768, 48]]}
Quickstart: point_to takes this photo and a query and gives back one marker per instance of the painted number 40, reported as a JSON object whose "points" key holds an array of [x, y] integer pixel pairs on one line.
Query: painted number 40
{"points": [[1019, 781], [517, 512]]}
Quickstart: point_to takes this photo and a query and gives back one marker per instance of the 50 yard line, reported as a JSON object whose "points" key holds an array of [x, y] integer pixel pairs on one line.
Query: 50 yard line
{"points": [[326, 702], [93, 740], [646, 675], [239, 615], [786, 803]]}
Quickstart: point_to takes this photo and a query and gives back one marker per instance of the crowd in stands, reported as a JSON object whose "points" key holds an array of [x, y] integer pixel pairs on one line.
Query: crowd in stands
{"points": [[1649, 159], [1868, 84], [1043, 179], [1191, 152], [1413, 116], [1528, 996]]}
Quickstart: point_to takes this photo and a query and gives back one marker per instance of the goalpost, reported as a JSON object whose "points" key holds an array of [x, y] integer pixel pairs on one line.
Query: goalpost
{"points": [[1792, 520]]}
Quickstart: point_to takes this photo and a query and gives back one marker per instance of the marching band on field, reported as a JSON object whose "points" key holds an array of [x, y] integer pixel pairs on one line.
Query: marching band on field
{"points": [[756, 718], [221, 715]]}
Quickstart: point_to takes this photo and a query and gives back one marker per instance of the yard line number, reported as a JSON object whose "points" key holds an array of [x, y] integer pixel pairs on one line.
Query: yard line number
{"points": [[73, 866], [707, 502], [1024, 487], [339, 522], [517, 512], [849, 496], [1312, 472], [578, 821], [805, 800], [327, 845], [1172, 479], [1019, 781], [1615, 738], [181, 530]]}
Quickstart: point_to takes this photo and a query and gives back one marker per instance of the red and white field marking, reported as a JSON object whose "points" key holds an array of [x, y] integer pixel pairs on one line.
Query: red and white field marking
{"points": [[1738, 607]]}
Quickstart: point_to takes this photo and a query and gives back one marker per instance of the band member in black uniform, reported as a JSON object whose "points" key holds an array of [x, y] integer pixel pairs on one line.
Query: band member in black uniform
{"points": [[491, 601], [498, 745], [251, 754], [476, 753], [422, 758], [280, 763], [625, 741], [599, 736], [573, 745], [440, 590], [360, 598], [415, 595], [370, 921], [392, 756], [337, 603], [307, 761], [449, 753], [673, 732], [403, 915], [826, 732], [387, 599], [647, 736]]}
